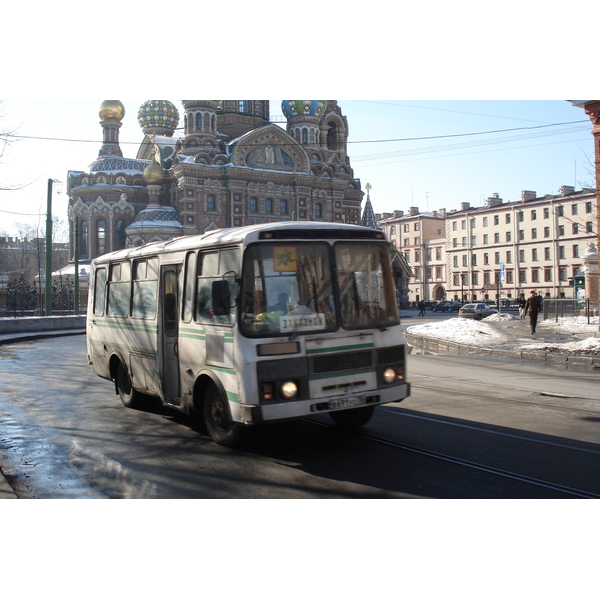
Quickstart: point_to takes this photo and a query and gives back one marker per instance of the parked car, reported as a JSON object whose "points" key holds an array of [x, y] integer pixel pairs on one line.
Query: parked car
{"points": [[446, 306], [476, 311]]}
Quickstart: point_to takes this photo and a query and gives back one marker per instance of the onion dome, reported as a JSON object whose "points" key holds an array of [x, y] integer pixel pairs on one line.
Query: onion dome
{"points": [[307, 108], [112, 109], [153, 174], [117, 164], [158, 117]]}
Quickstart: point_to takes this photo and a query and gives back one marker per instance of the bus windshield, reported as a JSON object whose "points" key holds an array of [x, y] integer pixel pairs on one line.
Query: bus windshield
{"points": [[292, 287]]}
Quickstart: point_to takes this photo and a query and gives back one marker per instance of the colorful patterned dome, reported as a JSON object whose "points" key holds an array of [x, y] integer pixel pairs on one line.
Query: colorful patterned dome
{"points": [[158, 117], [297, 108]]}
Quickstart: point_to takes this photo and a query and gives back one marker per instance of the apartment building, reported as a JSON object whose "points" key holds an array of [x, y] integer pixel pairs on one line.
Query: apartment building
{"points": [[501, 248], [420, 237]]}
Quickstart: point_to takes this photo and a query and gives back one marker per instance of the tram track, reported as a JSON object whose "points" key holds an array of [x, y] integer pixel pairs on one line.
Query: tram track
{"points": [[556, 487]]}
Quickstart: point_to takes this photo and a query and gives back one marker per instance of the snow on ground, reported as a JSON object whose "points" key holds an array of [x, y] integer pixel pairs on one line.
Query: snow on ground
{"points": [[501, 317], [465, 331], [588, 346]]}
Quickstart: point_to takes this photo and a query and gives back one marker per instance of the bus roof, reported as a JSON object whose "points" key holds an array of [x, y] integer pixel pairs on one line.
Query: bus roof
{"points": [[288, 230]]}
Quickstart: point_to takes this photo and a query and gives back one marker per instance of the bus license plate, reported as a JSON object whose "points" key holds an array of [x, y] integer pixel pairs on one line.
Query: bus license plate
{"points": [[345, 403]]}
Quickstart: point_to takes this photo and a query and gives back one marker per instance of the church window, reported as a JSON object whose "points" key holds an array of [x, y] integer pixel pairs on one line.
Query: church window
{"points": [[253, 205], [318, 211], [83, 244], [121, 236], [101, 236], [283, 207], [198, 122], [243, 106], [210, 203], [332, 136], [305, 136], [268, 205]]}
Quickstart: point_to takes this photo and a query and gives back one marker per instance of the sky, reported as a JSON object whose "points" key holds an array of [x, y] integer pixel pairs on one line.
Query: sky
{"points": [[426, 154]]}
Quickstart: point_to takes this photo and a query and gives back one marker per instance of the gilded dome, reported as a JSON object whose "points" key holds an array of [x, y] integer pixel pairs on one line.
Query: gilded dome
{"points": [[153, 174], [158, 117], [297, 108], [112, 109]]}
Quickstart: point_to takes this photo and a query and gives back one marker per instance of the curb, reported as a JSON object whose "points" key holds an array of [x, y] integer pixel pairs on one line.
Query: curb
{"points": [[571, 362]]}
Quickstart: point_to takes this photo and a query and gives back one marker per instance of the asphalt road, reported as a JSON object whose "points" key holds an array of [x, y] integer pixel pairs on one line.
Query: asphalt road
{"points": [[473, 428]]}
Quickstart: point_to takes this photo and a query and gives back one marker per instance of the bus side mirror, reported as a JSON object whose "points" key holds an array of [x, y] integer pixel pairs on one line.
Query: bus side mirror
{"points": [[220, 297]]}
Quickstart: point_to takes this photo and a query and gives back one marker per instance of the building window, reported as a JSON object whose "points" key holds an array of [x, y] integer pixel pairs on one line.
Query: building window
{"points": [[546, 213], [522, 276], [210, 203], [428, 273], [428, 254], [438, 272], [454, 225], [473, 260], [562, 273], [546, 253], [535, 276], [509, 277], [521, 255], [417, 226], [546, 231], [486, 278], [588, 207], [283, 208], [417, 256], [121, 235], [521, 235], [509, 256], [497, 257], [547, 274], [407, 228], [454, 242], [474, 278], [561, 252], [520, 216], [392, 232], [101, 236], [253, 205], [464, 242], [560, 211], [508, 236], [561, 230], [318, 211], [496, 219], [588, 227], [417, 241], [507, 218], [576, 251], [533, 234], [438, 254], [573, 209], [269, 206], [463, 224], [464, 261], [455, 280], [455, 260], [575, 228], [485, 239], [418, 272], [534, 254], [496, 238], [406, 241], [533, 215], [486, 259]]}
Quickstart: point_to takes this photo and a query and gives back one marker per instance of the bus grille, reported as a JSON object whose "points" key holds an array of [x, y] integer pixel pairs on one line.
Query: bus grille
{"points": [[342, 362]]}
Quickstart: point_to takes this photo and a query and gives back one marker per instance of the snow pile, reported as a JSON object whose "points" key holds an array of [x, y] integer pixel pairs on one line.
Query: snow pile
{"points": [[573, 323], [461, 331], [588, 347], [501, 317]]}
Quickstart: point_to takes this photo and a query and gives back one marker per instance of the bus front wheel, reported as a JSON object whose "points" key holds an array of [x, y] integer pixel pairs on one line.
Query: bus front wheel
{"points": [[218, 421], [353, 417], [129, 397]]}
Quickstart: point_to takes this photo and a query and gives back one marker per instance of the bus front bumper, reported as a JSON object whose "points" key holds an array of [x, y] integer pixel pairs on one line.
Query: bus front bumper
{"points": [[304, 408]]}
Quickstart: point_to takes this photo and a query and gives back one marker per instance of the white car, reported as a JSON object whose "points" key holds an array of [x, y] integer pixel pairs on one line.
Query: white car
{"points": [[476, 311]]}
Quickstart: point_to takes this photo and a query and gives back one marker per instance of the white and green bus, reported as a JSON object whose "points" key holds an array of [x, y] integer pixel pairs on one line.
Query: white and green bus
{"points": [[251, 325]]}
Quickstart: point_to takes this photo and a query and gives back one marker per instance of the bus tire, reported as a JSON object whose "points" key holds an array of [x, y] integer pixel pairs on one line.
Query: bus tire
{"points": [[218, 421], [129, 397], [353, 417]]}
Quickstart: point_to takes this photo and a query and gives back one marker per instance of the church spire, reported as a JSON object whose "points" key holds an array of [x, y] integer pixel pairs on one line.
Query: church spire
{"points": [[368, 216]]}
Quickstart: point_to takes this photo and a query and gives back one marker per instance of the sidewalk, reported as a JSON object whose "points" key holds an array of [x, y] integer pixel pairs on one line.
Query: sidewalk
{"points": [[517, 334]]}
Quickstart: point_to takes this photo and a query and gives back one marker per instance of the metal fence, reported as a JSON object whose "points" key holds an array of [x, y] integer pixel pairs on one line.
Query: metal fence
{"points": [[25, 300], [584, 311]]}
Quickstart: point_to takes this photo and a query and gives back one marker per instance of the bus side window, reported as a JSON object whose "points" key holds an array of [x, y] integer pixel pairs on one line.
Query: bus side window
{"points": [[118, 289], [100, 292], [145, 286], [190, 281]]}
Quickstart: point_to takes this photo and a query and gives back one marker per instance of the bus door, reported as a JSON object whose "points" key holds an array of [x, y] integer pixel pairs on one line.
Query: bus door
{"points": [[168, 350]]}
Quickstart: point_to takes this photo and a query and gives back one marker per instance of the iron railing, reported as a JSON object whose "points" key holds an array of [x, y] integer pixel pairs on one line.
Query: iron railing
{"points": [[584, 311]]}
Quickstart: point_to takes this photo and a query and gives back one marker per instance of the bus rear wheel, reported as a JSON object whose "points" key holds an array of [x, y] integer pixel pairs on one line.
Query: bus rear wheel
{"points": [[353, 417], [218, 421], [129, 397]]}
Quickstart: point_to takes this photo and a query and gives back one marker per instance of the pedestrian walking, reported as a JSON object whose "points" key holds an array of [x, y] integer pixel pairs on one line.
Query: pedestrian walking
{"points": [[521, 302], [533, 307], [421, 306]]}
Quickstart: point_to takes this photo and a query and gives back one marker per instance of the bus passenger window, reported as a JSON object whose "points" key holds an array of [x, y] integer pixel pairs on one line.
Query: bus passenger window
{"points": [[145, 285], [118, 290], [100, 292]]}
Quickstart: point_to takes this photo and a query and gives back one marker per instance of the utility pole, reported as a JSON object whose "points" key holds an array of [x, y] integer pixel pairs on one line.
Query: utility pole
{"points": [[76, 266], [49, 251]]}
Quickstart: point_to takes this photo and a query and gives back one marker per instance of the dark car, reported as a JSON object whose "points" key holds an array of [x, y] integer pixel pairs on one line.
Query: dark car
{"points": [[446, 306]]}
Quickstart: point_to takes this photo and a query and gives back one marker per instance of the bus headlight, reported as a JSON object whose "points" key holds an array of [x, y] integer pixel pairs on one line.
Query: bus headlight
{"points": [[389, 375], [288, 389]]}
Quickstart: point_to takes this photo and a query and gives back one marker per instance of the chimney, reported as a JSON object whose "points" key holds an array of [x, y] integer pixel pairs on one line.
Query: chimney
{"points": [[465, 205], [565, 190], [413, 210], [434, 213], [494, 200], [398, 214], [442, 212], [527, 195]]}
